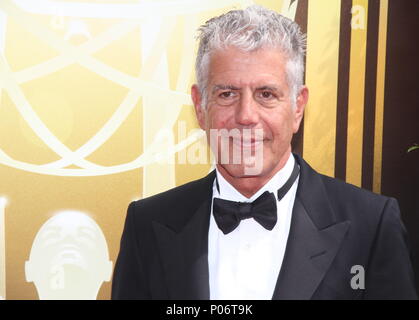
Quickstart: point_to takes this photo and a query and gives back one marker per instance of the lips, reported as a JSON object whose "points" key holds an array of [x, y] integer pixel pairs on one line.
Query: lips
{"points": [[247, 143]]}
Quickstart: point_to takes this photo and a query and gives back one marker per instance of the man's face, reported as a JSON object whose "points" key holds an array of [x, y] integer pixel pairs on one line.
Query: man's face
{"points": [[249, 90]]}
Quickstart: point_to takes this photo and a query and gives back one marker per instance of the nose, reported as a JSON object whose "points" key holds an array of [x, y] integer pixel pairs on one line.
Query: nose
{"points": [[246, 111]]}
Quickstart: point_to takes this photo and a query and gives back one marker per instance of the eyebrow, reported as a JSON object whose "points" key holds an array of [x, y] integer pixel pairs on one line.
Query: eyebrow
{"points": [[272, 88], [224, 87], [268, 87]]}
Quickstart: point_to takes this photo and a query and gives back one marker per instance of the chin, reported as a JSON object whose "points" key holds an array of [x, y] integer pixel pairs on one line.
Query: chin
{"points": [[241, 171]]}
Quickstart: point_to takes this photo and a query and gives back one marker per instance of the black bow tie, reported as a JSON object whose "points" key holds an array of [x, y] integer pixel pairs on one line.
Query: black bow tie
{"points": [[228, 214]]}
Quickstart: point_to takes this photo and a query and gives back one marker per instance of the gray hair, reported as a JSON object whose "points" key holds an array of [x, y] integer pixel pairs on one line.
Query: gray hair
{"points": [[250, 29]]}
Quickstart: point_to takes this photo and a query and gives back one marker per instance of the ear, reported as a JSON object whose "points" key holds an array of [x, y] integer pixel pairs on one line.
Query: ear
{"points": [[300, 105], [199, 110], [29, 271]]}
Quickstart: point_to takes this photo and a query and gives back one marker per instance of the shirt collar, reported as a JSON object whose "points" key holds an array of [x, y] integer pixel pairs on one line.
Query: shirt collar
{"points": [[228, 192]]}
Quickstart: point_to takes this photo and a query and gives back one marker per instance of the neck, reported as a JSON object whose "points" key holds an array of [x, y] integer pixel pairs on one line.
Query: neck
{"points": [[249, 185]]}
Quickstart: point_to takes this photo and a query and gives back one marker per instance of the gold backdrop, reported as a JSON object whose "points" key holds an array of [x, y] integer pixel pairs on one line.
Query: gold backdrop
{"points": [[95, 112]]}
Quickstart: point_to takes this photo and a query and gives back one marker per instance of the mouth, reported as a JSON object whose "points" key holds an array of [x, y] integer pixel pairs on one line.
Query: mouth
{"points": [[69, 255], [247, 143]]}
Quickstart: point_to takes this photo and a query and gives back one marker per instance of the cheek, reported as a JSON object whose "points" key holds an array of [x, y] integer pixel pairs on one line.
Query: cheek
{"points": [[280, 127], [218, 119]]}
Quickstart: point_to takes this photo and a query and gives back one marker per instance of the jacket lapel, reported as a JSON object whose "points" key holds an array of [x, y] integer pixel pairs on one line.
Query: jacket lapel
{"points": [[309, 253], [184, 249], [314, 240]]}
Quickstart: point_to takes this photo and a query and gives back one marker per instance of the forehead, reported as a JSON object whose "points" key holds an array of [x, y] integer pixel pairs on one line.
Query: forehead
{"points": [[241, 67]]}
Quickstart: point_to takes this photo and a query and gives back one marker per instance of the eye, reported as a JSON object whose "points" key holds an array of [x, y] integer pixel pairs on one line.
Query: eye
{"points": [[51, 237], [226, 94], [266, 95]]}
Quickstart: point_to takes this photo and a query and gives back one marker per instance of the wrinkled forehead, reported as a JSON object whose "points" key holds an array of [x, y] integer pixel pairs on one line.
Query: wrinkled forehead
{"points": [[232, 57], [261, 67]]}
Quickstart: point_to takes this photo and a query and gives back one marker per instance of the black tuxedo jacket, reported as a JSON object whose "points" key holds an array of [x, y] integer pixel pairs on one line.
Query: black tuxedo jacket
{"points": [[334, 226]]}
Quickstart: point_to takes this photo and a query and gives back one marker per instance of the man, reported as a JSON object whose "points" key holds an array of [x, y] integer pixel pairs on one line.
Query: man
{"points": [[280, 232]]}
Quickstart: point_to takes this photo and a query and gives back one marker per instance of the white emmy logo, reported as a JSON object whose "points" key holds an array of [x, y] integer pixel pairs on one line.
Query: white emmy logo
{"points": [[69, 258]]}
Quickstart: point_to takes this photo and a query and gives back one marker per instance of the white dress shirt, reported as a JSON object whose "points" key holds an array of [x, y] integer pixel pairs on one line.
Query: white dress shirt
{"points": [[245, 263]]}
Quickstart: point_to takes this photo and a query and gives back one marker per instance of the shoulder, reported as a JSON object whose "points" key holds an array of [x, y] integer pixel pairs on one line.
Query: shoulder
{"points": [[355, 203], [346, 192], [347, 201], [173, 204]]}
